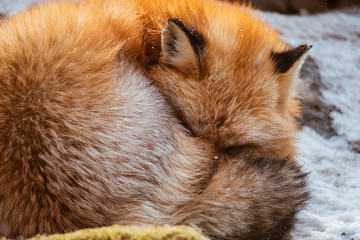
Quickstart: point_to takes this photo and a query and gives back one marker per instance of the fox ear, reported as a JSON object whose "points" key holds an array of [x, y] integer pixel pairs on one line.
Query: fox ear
{"points": [[287, 59], [288, 64], [182, 47]]}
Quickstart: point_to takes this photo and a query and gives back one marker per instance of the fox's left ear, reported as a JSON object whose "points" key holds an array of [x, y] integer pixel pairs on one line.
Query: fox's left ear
{"points": [[182, 47]]}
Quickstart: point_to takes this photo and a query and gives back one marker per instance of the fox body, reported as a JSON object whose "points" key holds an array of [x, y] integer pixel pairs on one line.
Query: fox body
{"points": [[91, 134]]}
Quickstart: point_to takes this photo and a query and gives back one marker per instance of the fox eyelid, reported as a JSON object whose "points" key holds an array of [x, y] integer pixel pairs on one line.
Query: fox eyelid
{"points": [[220, 122]]}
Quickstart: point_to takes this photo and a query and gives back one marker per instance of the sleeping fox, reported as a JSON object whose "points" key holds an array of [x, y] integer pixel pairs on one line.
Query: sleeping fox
{"points": [[105, 118]]}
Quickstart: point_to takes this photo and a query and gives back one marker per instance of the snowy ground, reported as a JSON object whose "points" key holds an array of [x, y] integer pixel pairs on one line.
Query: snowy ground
{"points": [[333, 163]]}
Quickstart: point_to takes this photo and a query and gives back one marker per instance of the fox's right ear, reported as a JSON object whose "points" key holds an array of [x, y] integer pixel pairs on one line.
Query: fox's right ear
{"points": [[284, 61], [182, 47], [287, 65]]}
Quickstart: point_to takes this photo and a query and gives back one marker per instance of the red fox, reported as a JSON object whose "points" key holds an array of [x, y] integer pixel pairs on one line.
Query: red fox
{"points": [[94, 123]]}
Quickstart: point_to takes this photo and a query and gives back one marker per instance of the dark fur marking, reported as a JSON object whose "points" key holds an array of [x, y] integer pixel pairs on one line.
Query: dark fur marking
{"points": [[285, 60]]}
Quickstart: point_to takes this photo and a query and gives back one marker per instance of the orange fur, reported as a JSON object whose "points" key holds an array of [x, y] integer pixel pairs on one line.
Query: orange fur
{"points": [[87, 139]]}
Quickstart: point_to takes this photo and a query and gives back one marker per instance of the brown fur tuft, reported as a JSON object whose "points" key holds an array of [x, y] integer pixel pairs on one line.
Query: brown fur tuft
{"points": [[272, 191]]}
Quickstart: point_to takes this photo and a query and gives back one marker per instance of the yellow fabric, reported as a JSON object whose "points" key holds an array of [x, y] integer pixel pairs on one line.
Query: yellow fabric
{"points": [[118, 232]]}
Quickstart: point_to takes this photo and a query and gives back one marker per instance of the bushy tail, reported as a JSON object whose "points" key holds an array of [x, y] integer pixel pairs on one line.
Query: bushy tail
{"points": [[254, 198]]}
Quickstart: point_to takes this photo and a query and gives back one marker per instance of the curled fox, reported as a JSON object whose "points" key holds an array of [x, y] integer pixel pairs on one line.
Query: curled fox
{"points": [[147, 112]]}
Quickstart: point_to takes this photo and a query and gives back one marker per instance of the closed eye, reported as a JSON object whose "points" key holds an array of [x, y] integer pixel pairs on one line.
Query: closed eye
{"points": [[220, 122], [240, 149]]}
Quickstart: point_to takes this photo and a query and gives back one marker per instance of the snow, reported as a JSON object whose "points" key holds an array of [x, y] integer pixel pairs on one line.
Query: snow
{"points": [[334, 166], [14, 6]]}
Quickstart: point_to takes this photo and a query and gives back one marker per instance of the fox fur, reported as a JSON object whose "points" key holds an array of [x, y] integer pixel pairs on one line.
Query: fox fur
{"points": [[95, 128]]}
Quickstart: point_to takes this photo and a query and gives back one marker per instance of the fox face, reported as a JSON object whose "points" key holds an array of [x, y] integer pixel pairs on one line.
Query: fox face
{"points": [[233, 81]]}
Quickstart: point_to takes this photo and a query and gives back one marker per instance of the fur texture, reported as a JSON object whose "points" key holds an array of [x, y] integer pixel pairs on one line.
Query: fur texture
{"points": [[87, 139]]}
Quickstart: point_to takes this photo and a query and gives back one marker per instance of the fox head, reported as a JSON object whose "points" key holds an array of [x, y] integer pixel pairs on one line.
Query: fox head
{"points": [[233, 81]]}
